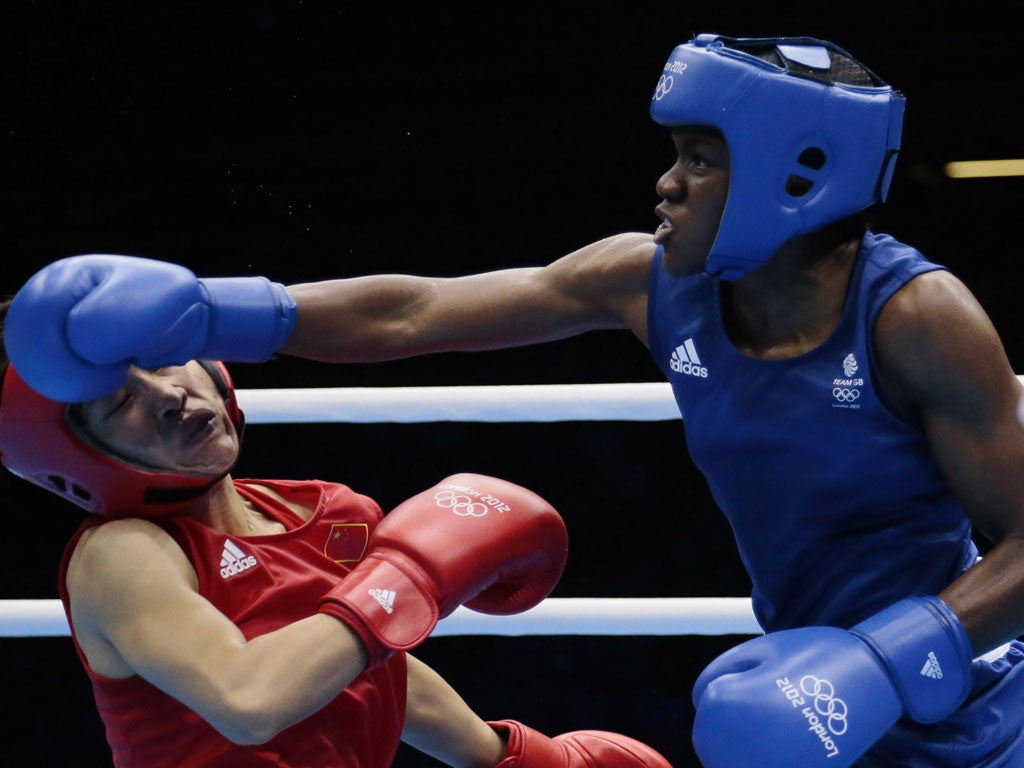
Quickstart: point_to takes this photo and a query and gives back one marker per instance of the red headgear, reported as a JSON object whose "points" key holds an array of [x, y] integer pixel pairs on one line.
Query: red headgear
{"points": [[39, 444]]}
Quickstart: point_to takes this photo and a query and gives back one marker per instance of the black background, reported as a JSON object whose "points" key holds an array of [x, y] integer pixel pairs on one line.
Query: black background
{"points": [[304, 140]]}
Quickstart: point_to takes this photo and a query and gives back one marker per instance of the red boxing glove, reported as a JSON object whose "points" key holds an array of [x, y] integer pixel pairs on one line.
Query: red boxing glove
{"points": [[472, 539], [528, 748]]}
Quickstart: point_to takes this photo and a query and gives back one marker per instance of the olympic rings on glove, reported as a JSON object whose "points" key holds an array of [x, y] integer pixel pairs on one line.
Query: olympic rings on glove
{"points": [[461, 505], [826, 703]]}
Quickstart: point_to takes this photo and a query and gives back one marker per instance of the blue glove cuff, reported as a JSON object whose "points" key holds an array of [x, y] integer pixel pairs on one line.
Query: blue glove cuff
{"points": [[925, 650], [250, 318]]}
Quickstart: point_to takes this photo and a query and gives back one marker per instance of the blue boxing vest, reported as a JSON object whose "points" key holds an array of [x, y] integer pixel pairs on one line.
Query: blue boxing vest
{"points": [[838, 508]]}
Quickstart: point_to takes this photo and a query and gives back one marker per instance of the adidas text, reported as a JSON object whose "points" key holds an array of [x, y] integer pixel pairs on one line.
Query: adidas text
{"points": [[685, 359], [233, 569], [233, 560], [689, 368]]}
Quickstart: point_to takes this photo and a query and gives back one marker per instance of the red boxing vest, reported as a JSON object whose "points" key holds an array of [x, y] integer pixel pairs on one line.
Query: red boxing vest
{"points": [[263, 583]]}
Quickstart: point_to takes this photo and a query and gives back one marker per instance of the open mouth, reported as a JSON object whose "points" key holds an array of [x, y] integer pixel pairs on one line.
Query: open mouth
{"points": [[664, 229], [197, 426]]}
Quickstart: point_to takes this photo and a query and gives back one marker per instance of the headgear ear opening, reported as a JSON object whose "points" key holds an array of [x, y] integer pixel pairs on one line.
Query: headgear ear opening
{"points": [[813, 136]]}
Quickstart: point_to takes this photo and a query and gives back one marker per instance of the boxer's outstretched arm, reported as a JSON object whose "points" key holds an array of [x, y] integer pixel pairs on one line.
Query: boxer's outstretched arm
{"points": [[76, 326], [385, 317]]}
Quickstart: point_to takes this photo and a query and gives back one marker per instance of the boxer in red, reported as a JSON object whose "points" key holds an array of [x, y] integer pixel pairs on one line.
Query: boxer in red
{"points": [[233, 622]]}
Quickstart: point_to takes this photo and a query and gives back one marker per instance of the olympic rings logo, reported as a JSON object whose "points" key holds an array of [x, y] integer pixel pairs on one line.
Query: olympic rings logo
{"points": [[664, 86], [463, 506], [826, 703], [844, 395]]}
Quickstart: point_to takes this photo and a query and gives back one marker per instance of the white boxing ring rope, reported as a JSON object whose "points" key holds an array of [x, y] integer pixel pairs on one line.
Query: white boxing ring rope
{"points": [[633, 616], [643, 401], [524, 403], [530, 402]]}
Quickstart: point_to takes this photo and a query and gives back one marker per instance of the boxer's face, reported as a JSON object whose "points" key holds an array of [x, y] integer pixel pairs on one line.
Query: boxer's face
{"points": [[170, 419], [693, 192]]}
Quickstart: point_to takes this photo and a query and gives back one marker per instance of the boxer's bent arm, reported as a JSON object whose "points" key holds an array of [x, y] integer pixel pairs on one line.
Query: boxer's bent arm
{"points": [[439, 723], [136, 611], [385, 317], [941, 356]]}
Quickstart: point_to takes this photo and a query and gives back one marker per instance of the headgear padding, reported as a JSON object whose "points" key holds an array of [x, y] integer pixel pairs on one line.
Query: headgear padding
{"points": [[40, 444], [804, 150]]}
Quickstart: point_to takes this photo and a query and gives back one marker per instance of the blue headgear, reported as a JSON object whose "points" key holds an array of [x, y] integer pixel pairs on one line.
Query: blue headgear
{"points": [[803, 152]]}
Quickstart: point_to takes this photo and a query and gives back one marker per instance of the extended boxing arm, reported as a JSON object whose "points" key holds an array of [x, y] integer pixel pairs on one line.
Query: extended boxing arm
{"points": [[384, 317], [75, 327]]}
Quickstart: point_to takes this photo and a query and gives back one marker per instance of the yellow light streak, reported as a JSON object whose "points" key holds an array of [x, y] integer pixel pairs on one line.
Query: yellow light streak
{"points": [[980, 169]]}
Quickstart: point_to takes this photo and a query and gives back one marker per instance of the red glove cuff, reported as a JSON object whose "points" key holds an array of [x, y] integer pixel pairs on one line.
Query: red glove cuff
{"points": [[376, 653], [385, 602], [528, 748]]}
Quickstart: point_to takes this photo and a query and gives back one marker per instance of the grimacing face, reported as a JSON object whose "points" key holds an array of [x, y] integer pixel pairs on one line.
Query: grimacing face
{"points": [[167, 419]]}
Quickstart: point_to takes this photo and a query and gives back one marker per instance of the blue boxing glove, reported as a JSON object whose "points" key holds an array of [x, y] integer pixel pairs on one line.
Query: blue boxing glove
{"points": [[822, 696], [75, 327]]}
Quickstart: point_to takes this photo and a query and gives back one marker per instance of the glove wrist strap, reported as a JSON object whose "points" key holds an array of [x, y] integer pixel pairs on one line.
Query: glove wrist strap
{"points": [[926, 652], [388, 598], [528, 748], [250, 318]]}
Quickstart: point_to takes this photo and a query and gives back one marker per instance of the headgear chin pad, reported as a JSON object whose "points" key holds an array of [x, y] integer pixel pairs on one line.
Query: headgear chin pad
{"points": [[40, 444], [804, 150]]}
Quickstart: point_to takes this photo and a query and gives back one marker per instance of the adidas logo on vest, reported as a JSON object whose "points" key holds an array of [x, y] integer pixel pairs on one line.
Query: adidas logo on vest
{"points": [[233, 560], [686, 360]]}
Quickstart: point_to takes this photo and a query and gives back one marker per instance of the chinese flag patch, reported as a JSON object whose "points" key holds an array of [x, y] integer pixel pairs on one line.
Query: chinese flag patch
{"points": [[347, 542]]}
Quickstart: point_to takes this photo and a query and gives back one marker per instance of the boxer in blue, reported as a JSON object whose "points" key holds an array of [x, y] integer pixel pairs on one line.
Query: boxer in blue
{"points": [[849, 402]]}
